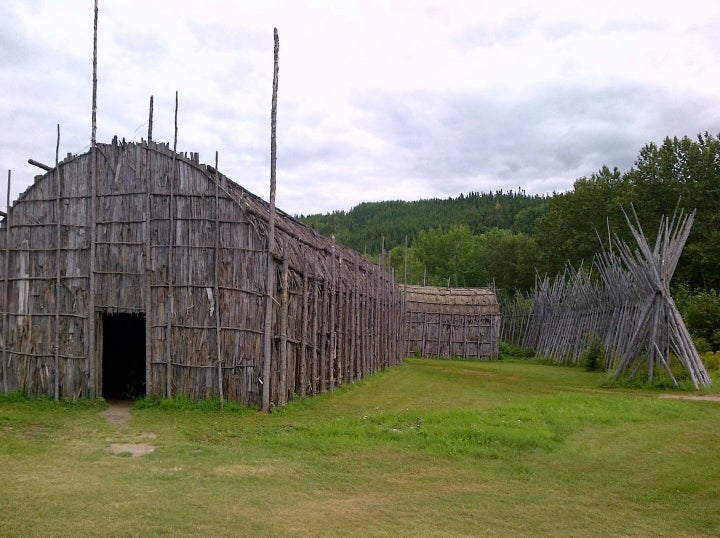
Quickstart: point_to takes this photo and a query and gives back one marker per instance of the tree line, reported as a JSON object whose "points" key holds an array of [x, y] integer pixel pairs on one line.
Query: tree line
{"points": [[509, 237]]}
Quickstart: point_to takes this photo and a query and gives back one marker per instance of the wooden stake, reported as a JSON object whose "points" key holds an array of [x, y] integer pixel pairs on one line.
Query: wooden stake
{"points": [[315, 370], [217, 282], [150, 120], [354, 370], [324, 334], [282, 340], [332, 291], [56, 344], [147, 254], [7, 288], [304, 336], [403, 325], [171, 264], [90, 325], [269, 279]]}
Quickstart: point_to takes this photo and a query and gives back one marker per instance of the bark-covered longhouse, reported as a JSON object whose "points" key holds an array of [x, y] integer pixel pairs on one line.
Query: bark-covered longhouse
{"points": [[452, 322], [150, 280]]}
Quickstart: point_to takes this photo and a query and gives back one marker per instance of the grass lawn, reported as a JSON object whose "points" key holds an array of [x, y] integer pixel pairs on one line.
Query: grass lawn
{"points": [[429, 448]]}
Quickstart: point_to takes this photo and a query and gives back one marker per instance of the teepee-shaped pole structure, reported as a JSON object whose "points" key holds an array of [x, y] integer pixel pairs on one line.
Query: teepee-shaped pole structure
{"points": [[659, 329]]}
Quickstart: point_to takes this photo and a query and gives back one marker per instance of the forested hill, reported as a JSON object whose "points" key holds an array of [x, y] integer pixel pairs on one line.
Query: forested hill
{"points": [[508, 237], [364, 226]]}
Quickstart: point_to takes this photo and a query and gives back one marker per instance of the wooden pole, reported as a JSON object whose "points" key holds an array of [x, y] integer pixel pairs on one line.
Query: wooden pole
{"points": [[40, 165], [403, 321], [6, 293], [217, 283], [354, 322], [315, 371], [332, 290], [269, 279], [171, 264], [377, 347], [93, 133], [345, 364], [282, 385], [304, 336], [150, 120], [90, 342], [147, 253], [324, 334], [56, 345]]}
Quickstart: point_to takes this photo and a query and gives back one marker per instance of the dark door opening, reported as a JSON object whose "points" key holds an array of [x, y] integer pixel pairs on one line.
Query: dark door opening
{"points": [[123, 366]]}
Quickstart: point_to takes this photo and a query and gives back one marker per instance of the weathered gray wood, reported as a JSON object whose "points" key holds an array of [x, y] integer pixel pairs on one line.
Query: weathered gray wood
{"points": [[216, 282], [302, 381], [282, 337], [150, 121], [40, 165], [133, 236], [147, 254], [6, 292], [92, 217], [630, 309], [324, 336], [58, 194], [332, 329], [172, 226], [270, 281], [316, 341]]}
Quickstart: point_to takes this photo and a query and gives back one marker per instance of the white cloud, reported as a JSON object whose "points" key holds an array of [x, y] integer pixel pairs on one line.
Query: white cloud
{"points": [[377, 100]]}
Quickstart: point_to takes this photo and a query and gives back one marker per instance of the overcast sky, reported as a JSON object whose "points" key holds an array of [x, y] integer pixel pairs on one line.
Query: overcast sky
{"points": [[378, 100]]}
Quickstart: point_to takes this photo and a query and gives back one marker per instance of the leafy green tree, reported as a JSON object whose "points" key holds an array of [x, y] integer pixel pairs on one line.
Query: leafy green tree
{"points": [[448, 235], [507, 259], [415, 267], [450, 256], [687, 170], [578, 220], [701, 313]]}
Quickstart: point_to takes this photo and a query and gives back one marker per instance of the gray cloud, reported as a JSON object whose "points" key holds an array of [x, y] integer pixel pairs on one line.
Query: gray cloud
{"points": [[555, 132], [374, 104]]}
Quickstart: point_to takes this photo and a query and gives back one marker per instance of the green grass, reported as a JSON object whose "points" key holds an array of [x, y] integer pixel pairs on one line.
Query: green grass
{"points": [[430, 448]]}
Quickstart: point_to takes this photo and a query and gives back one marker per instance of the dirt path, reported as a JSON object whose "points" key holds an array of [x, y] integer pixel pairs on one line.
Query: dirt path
{"points": [[118, 415], [704, 398]]}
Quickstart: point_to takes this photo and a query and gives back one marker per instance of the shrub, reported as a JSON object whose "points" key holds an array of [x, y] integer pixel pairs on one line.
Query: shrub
{"points": [[711, 360], [701, 313], [593, 358], [702, 345], [511, 351]]}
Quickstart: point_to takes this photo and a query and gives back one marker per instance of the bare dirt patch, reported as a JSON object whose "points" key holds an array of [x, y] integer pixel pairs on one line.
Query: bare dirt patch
{"points": [[699, 397], [132, 449], [117, 413]]}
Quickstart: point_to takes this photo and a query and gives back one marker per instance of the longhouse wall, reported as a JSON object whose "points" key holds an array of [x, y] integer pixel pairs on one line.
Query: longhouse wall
{"points": [[183, 246]]}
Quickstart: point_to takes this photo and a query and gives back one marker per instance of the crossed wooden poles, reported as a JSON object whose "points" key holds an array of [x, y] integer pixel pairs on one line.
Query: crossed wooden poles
{"points": [[629, 308]]}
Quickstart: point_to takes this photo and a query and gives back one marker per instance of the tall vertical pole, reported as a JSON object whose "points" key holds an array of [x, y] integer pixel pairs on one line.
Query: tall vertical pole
{"points": [[150, 120], [147, 285], [304, 335], [90, 322], [282, 352], [269, 277], [404, 321], [149, 274], [332, 290], [7, 288], [218, 343], [171, 265], [57, 266]]}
